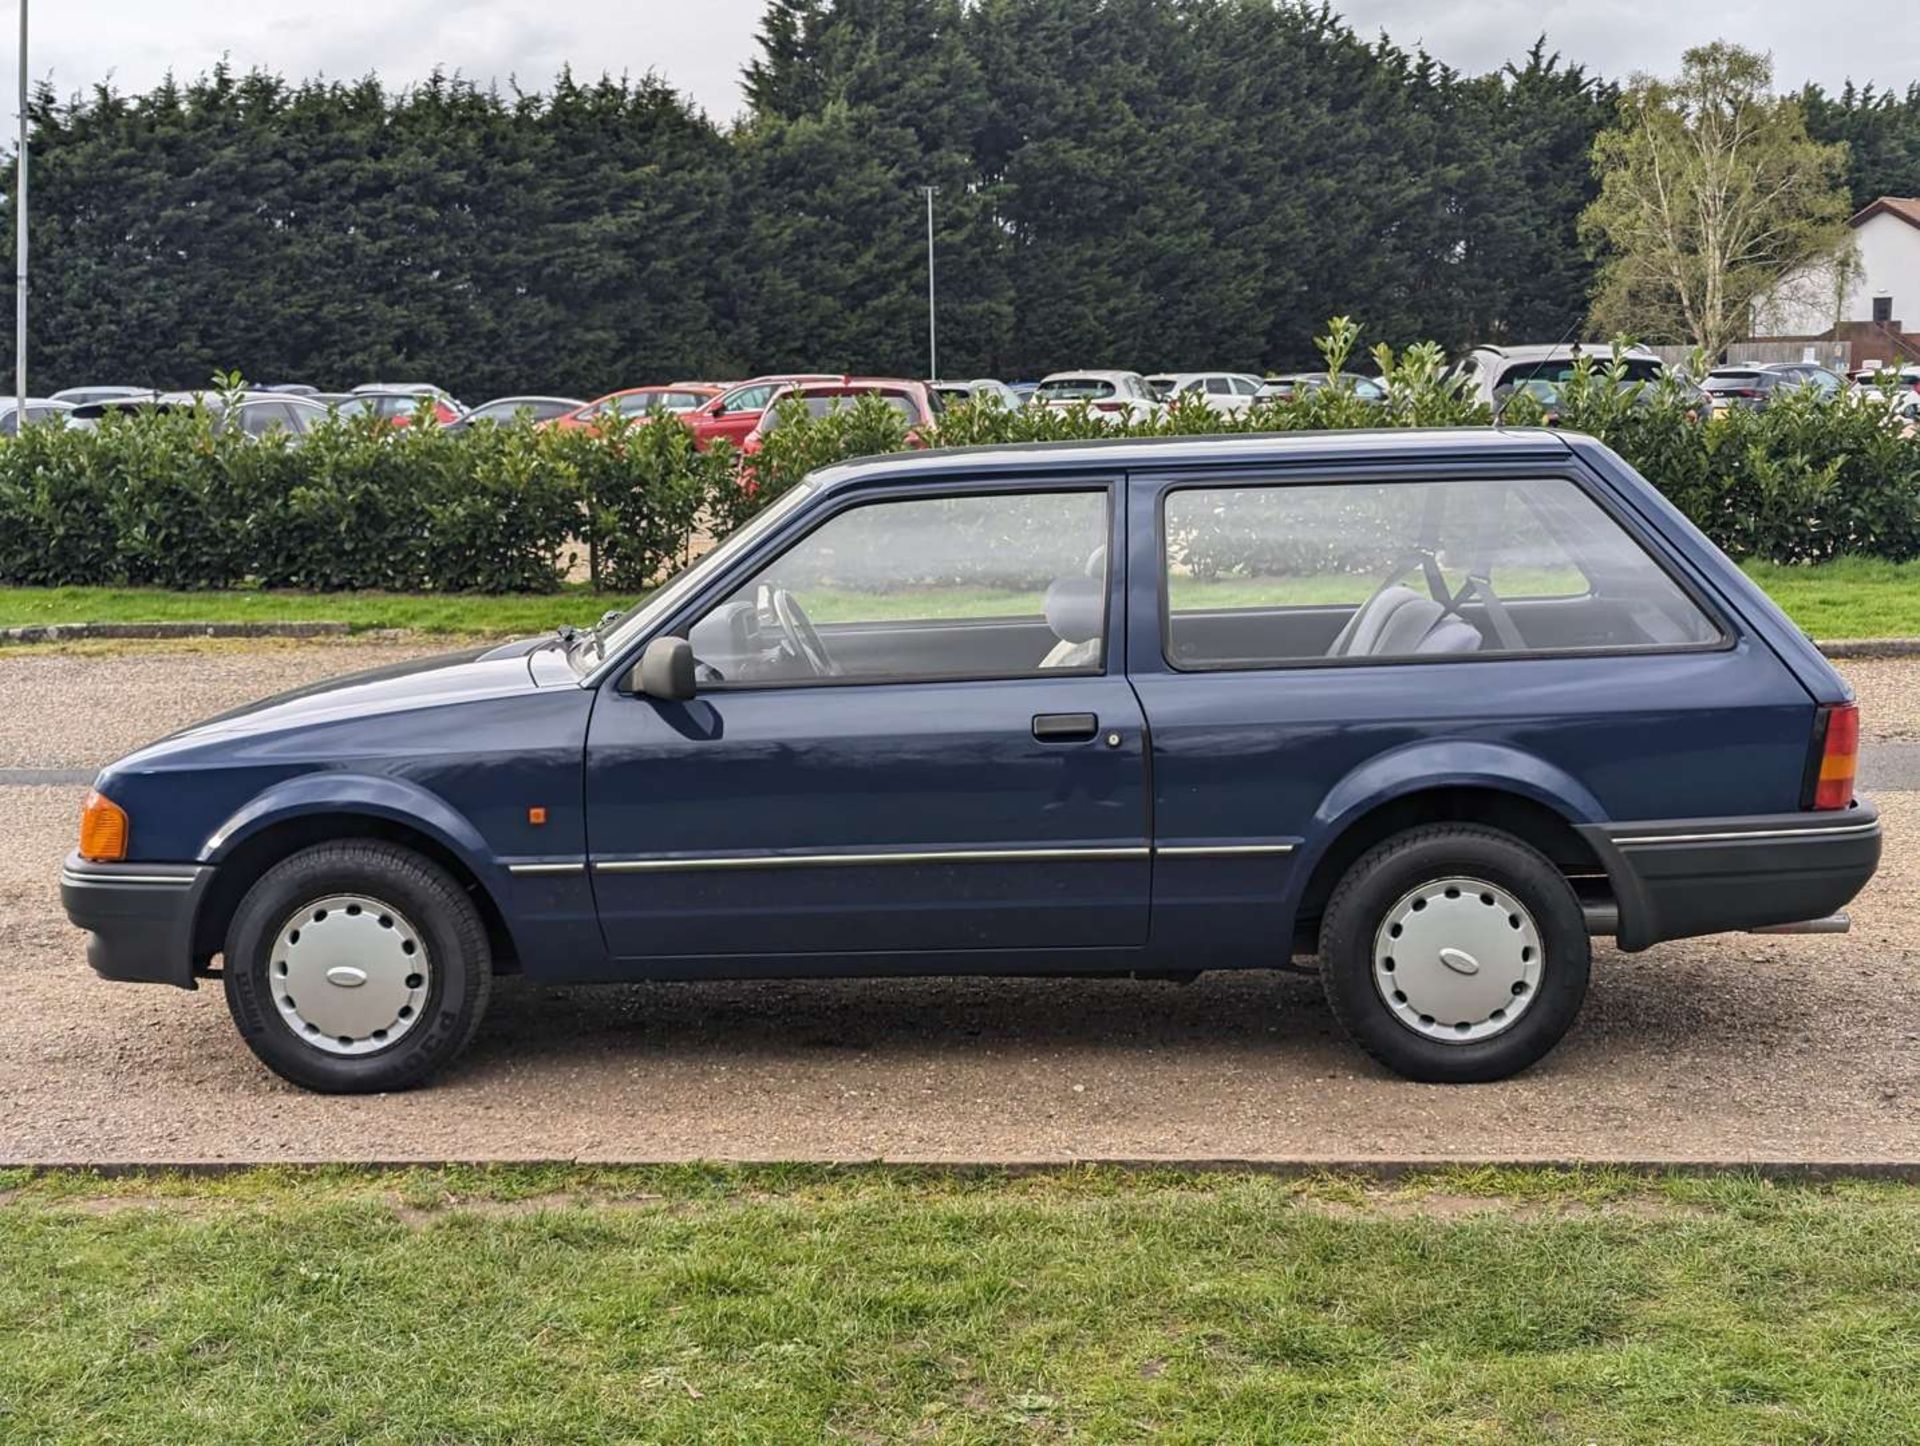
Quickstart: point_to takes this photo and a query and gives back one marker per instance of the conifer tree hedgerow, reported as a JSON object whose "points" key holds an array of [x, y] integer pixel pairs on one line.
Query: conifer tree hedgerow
{"points": [[1131, 182]]}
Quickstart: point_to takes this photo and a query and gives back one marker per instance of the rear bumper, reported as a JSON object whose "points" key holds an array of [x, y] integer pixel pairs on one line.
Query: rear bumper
{"points": [[1676, 878], [139, 917]]}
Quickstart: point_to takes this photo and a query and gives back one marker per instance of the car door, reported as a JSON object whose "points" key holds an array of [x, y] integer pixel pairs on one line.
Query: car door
{"points": [[743, 412], [913, 735]]}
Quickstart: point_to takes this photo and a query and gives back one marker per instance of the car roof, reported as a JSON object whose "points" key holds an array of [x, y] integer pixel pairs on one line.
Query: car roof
{"points": [[1158, 453], [1094, 373], [862, 384], [1537, 352]]}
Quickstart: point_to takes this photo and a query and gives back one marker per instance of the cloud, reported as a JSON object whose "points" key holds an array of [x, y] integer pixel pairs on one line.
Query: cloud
{"points": [[701, 45]]}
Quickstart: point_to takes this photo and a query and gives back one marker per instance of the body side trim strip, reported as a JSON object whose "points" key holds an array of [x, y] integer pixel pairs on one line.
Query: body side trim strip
{"points": [[1221, 851], [89, 878], [1737, 835], [841, 860], [545, 868]]}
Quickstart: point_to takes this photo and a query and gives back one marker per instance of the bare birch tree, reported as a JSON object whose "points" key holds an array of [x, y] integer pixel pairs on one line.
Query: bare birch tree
{"points": [[1712, 196]]}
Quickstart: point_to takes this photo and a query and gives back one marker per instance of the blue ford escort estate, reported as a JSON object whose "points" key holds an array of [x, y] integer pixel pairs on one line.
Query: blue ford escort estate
{"points": [[1436, 707]]}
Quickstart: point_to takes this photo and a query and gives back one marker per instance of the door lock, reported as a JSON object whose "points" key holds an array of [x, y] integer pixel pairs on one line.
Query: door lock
{"points": [[1113, 740]]}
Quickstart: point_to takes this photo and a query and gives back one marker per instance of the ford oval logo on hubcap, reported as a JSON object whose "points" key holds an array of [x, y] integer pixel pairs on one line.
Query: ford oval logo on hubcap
{"points": [[1458, 960], [347, 977]]}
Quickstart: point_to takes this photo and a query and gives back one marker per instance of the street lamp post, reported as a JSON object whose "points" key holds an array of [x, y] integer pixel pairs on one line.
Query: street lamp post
{"points": [[933, 335], [20, 242]]}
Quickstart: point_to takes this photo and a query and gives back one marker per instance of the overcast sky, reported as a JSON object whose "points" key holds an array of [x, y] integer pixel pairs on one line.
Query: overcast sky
{"points": [[700, 45]]}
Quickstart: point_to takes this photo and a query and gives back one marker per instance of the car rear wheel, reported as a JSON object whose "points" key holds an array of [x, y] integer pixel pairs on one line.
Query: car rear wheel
{"points": [[1454, 954], [357, 967]]}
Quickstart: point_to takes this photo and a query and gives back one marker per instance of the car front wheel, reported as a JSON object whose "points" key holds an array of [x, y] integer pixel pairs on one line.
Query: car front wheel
{"points": [[1454, 954], [357, 967]]}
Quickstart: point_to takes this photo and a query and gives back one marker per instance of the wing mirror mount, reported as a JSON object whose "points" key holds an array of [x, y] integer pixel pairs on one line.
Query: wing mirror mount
{"points": [[665, 671]]}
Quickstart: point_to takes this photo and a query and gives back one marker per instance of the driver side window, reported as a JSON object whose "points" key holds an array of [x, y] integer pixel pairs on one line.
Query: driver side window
{"points": [[999, 585]]}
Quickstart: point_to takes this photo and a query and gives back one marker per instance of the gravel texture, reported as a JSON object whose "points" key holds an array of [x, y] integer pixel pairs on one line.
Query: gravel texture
{"points": [[1889, 693], [83, 706], [1736, 1048]]}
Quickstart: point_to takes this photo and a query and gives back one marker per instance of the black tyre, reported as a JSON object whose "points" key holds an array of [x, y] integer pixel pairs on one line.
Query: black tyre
{"points": [[357, 967], [1454, 954]]}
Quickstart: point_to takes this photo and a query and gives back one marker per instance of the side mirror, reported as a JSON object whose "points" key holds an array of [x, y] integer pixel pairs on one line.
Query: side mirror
{"points": [[665, 670]]}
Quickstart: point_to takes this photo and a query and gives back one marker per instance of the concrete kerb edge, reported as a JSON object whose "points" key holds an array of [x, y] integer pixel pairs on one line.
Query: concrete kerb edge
{"points": [[81, 632]]}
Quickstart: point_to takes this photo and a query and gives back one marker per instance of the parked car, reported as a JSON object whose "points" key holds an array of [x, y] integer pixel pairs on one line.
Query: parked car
{"points": [[258, 415], [1488, 373], [730, 416], [255, 413], [82, 396], [1467, 698], [292, 389], [1024, 390], [1753, 386], [1123, 396], [399, 402], [1229, 393], [1365, 389], [1875, 380], [915, 401], [505, 409], [678, 398], [399, 408], [39, 409], [980, 389]]}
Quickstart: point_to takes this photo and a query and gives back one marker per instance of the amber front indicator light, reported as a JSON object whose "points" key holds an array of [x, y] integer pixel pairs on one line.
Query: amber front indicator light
{"points": [[1837, 736], [103, 830]]}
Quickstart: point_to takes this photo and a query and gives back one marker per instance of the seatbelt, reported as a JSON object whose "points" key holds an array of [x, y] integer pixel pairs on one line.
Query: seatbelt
{"points": [[1479, 583]]}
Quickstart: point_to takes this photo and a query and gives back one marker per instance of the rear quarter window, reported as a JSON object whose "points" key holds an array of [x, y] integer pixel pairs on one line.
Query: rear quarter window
{"points": [[1264, 575]]}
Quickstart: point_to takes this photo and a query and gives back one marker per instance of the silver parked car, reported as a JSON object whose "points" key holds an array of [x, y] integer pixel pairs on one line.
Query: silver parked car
{"points": [[980, 389]]}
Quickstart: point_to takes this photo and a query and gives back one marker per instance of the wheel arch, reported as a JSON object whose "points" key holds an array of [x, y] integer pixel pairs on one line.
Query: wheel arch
{"points": [[1493, 785], [258, 838]]}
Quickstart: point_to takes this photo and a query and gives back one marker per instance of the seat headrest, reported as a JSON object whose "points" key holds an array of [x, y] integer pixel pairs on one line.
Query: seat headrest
{"points": [[1076, 609]]}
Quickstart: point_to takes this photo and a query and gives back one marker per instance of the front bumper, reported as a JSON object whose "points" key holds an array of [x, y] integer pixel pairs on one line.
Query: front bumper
{"points": [[139, 917], [1676, 878]]}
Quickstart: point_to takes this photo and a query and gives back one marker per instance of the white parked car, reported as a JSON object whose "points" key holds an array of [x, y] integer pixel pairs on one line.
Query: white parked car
{"points": [[1124, 396], [980, 389], [39, 409], [1490, 373], [1228, 393]]}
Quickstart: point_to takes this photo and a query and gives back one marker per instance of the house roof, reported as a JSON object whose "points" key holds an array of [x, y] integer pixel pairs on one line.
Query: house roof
{"points": [[1907, 208]]}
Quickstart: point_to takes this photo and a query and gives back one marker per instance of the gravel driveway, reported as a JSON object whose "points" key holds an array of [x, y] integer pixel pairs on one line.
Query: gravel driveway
{"points": [[1737, 1048]]}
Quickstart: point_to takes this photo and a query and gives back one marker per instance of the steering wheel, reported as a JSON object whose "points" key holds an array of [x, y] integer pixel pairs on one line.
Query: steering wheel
{"points": [[801, 635]]}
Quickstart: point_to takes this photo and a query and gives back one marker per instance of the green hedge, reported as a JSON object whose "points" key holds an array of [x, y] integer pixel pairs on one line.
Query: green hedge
{"points": [[168, 500]]}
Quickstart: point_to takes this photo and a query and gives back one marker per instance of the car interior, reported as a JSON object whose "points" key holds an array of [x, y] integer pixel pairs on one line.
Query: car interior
{"points": [[1459, 588]]}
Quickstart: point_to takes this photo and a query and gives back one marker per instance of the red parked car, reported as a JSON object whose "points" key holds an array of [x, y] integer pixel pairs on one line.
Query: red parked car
{"points": [[916, 401], [680, 398], [730, 416]]}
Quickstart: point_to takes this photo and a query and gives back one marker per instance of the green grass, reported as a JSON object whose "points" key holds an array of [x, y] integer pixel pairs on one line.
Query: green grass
{"points": [[1855, 597], [1852, 598], [802, 1304]]}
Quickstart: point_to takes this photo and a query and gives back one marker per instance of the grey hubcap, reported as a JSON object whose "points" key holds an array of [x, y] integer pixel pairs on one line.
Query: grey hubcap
{"points": [[1458, 960], [350, 974]]}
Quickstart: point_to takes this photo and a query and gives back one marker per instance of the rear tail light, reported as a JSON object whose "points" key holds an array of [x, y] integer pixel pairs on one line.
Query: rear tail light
{"points": [[103, 830], [1836, 756]]}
